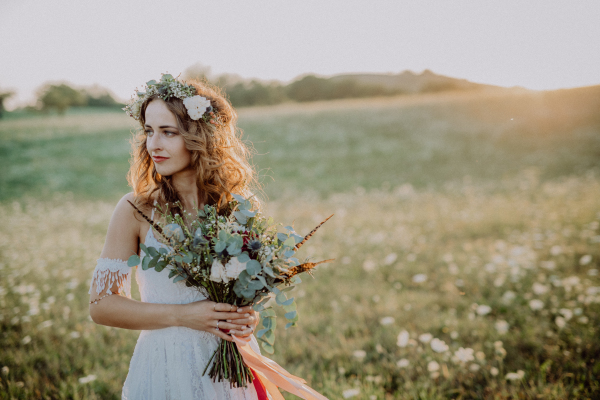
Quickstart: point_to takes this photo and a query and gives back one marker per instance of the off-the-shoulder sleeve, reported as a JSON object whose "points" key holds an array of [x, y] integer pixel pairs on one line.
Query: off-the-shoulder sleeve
{"points": [[109, 272]]}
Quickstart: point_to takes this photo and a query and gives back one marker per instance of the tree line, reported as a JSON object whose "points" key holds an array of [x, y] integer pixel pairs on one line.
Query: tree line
{"points": [[241, 92]]}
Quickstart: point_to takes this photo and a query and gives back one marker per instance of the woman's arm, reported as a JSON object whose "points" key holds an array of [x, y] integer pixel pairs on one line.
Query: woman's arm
{"points": [[122, 241]]}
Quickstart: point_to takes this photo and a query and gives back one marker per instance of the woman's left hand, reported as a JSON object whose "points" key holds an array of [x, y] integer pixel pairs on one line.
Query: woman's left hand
{"points": [[246, 325]]}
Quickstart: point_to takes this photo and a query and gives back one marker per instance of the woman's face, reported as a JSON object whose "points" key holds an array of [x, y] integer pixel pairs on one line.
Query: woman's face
{"points": [[164, 142]]}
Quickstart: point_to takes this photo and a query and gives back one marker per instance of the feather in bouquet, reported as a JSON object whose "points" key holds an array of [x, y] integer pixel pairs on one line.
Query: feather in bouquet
{"points": [[236, 256]]}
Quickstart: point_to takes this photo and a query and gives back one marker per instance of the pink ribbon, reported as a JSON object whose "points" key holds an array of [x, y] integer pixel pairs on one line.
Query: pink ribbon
{"points": [[272, 375]]}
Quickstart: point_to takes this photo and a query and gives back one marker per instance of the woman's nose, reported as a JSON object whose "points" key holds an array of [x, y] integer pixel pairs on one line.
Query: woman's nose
{"points": [[153, 143]]}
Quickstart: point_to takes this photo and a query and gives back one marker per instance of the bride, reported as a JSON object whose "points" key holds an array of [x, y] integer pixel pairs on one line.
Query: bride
{"points": [[188, 150]]}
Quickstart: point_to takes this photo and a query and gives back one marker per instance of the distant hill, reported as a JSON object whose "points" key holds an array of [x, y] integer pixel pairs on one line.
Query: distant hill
{"points": [[310, 87], [410, 82]]}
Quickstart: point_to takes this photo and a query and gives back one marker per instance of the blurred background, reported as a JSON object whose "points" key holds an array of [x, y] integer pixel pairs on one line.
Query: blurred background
{"points": [[457, 144]]}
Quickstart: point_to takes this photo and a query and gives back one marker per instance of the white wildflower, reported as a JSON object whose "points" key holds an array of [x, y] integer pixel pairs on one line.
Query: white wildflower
{"points": [[387, 320], [502, 326], [87, 379], [403, 338], [538, 288], [560, 322], [508, 296], [403, 363], [464, 355], [555, 250], [390, 258], [350, 393], [433, 366], [425, 337], [419, 278], [568, 314], [26, 339], [585, 260], [483, 309], [536, 304], [360, 354], [494, 371], [515, 376], [439, 346], [474, 367]]}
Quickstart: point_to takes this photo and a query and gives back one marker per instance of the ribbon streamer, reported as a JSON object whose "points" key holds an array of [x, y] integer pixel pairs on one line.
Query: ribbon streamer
{"points": [[272, 375]]}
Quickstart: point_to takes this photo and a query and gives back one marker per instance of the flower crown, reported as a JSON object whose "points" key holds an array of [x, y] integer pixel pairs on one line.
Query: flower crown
{"points": [[198, 107]]}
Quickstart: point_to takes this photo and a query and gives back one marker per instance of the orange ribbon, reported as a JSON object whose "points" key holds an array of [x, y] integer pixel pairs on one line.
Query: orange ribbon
{"points": [[272, 375]]}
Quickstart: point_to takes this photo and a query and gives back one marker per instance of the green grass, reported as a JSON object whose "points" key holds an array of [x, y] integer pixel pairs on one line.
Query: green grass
{"points": [[438, 185]]}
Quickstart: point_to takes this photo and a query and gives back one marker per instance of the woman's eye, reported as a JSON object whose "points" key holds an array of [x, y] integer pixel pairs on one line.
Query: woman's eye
{"points": [[148, 133], [168, 133]]}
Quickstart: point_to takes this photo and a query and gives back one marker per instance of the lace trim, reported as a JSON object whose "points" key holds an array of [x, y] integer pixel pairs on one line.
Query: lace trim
{"points": [[110, 271]]}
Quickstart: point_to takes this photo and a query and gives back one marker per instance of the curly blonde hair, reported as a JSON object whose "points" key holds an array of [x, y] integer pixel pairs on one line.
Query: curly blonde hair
{"points": [[219, 156]]}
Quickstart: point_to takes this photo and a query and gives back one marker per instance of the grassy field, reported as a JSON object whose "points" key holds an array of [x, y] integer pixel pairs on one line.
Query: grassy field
{"points": [[466, 234]]}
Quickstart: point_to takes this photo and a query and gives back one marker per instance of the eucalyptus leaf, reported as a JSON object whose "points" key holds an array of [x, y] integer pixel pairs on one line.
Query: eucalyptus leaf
{"points": [[291, 315], [178, 278], [287, 289], [289, 228], [163, 251], [269, 337], [241, 218], [248, 213], [146, 262], [269, 271], [133, 260], [144, 248], [220, 246], [280, 298], [255, 285], [153, 252], [240, 199], [297, 238], [288, 302], [261, 332], [268, 312], [172, 273], [289, 307], [289, 325], [243, 258], [267, 347], [253, 267], [289, 242], [282, 236], [258, 307], [161, 265], [153, 263]]}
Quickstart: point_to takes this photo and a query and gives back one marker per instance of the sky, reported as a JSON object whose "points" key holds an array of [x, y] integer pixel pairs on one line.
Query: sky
{"points": [[120, 45]]}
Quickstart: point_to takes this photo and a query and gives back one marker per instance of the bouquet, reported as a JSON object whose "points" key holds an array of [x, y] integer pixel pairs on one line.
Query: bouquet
{"points": [[235, 256]]}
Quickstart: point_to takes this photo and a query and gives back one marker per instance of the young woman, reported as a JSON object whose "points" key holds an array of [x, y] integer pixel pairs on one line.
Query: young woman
{"points": [[188, 151]]}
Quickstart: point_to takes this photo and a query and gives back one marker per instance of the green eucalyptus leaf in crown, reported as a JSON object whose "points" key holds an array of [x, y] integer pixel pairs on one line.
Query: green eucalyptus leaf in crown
{"points": [[198, 107]]}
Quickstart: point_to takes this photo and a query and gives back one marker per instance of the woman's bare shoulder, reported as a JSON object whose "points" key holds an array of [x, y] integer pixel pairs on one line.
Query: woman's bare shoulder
{"points": [[123, 230]]}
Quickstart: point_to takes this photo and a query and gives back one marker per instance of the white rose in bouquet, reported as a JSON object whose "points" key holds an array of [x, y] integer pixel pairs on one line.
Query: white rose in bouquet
{"points": [[234, 267], [217, 272]]}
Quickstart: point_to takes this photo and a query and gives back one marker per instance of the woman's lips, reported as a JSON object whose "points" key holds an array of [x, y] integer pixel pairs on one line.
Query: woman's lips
{"points": [[159, 159]]}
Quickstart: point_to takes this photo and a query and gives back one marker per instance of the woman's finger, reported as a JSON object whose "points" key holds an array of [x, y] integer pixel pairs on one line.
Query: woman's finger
{"points": [[230, 326], [231, 315], [245, 309], [242, 321], [224, 307]]}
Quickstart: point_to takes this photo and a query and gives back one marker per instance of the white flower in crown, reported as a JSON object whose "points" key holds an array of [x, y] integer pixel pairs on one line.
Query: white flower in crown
{"points": [[196, 106]]}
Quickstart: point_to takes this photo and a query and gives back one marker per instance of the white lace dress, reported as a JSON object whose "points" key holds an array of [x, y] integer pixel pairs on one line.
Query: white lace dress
{"points": [[167, 363]]}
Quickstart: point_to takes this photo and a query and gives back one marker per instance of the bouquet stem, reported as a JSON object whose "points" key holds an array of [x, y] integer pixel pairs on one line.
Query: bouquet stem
{"points": [[229, 365]]}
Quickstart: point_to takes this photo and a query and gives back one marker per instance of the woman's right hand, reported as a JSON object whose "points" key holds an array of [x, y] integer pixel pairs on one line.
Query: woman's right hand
{"points": [[205, 314]]}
